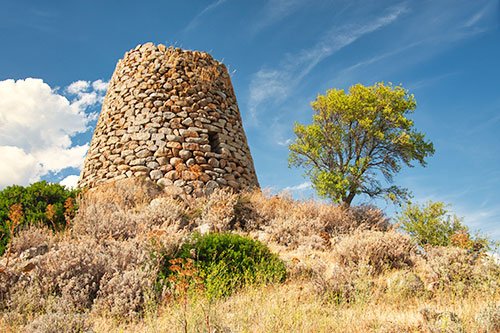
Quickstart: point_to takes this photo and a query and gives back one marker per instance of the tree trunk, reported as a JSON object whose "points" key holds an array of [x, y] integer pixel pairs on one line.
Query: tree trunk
{"points": [[347, 201]]}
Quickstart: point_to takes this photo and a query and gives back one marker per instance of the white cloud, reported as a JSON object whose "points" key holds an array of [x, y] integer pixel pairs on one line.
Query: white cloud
{"points": [[33, 116], [297, 188], [78, 87], [100, 85], [276, 84], [67, 157], [88, 93], [37, 125], [17, 167], [70, 181]]}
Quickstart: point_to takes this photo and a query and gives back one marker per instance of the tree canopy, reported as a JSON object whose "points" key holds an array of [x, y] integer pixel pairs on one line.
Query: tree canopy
{"points": [[356, 137]]}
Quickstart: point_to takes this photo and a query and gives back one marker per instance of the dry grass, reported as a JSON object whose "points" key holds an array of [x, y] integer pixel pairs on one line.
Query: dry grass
{"points": [[294, 307], [347, 270]]}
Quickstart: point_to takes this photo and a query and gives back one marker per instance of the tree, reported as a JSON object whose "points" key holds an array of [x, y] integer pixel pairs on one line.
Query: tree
{"points": [[355, 138]]}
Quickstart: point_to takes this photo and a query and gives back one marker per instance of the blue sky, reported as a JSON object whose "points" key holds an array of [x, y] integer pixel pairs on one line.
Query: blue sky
{"points": [[281, 54]]}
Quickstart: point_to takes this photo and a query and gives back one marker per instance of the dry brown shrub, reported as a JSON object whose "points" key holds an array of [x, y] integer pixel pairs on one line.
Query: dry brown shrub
{"points": [[124, 255], [403, 284], [272, 206], [96, 222], [101, 219], [8, 278], [164, 212], [443, 266], [338, 288], [369, 218], [123, 231], [330, 218], [380, 250], [296, 233], [286, 221], [26, 300], [112, 276], [461, 270], [32, 237], [218, 210], [124, 193], [108, 211], [123, 294], [308, 224], [341, 284], [114, 234], [73, 271]]}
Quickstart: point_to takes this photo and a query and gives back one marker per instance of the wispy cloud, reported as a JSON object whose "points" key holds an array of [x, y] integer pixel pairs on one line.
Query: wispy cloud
{"points": [[276, 84], [420, 42], [479, 15], [377, 58], [483, 219], [276, 10], [196, 20], [430, 81], [484, 124], [285, 142]]}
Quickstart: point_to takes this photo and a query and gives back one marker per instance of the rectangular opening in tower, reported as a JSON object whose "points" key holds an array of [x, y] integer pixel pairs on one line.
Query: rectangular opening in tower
{"points": [[214, 141]]}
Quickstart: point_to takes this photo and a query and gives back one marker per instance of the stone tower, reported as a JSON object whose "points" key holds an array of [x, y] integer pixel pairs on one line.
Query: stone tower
{"points": [[171, 116]]}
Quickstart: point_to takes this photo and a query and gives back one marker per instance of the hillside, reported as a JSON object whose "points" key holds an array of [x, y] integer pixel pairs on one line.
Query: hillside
{"points": [[347, 270]]}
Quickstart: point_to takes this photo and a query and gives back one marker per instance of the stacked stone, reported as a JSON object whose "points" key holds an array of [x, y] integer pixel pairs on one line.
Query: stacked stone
{"points": [[170, 115]]}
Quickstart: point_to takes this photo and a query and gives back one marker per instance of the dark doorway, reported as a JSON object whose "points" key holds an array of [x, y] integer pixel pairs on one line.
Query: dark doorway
{"points": [[214, 141]]}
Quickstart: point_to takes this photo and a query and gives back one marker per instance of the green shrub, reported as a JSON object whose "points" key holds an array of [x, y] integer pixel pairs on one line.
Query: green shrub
{"points": [[226, 262], [42, 203], [433, 224]]}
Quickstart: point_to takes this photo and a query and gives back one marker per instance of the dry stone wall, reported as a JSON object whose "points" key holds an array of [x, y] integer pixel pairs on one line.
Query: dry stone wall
{"points": [[170, 115]]}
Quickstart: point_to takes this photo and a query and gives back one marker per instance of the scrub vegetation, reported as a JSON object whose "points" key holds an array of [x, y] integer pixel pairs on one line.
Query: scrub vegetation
{"points": [[137, 259]]}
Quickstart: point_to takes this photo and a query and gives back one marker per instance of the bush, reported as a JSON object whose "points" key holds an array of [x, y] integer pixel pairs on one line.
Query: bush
{"points": [[308, 224], [41, 203], [32, 237], [228, 261], [122, 295], [343, 285], [404, 284], [458, 270], [432, 224], [379, 250]]}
